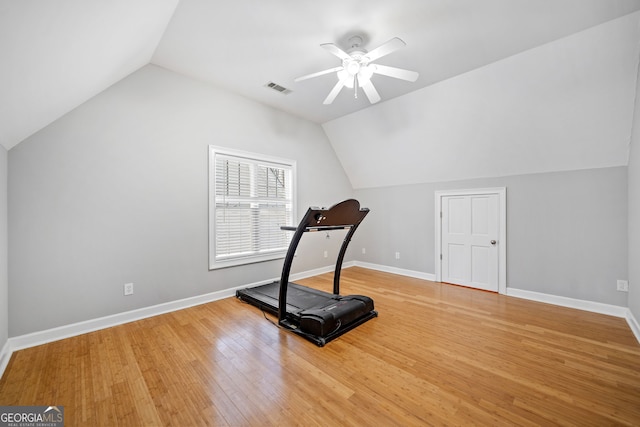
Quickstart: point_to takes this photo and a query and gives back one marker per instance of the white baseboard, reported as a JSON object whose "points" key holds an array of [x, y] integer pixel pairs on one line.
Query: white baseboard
{"points": [[633, 324], [318, 271], [595, 307], [395, 270], [5, 356]]}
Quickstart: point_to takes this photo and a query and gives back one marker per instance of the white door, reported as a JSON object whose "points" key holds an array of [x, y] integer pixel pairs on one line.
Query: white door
{"points": [[469, 247]]}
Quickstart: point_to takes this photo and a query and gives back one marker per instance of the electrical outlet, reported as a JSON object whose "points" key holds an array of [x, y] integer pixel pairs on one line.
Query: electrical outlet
{"points": [[326, 254], [364, 251], [397, 255], [623, 285], [128, 288]]}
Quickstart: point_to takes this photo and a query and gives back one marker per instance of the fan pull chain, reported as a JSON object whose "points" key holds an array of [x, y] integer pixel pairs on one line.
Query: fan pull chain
{"points": [[355, 86]]}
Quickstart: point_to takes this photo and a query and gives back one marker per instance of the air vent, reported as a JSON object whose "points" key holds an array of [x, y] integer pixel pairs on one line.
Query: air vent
{"points": [[278, 88]]}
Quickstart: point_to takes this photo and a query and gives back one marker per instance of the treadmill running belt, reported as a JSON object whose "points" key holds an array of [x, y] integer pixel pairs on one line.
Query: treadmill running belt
{"points": [[298, 297]]}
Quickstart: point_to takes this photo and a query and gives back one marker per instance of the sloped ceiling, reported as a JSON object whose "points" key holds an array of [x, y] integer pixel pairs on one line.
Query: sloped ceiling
{"points": [[565, 105], [242, 45], [55, 55]]}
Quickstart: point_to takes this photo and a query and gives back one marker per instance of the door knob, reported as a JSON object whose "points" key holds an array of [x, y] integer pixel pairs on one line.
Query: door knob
{"points": [[493, 242]]}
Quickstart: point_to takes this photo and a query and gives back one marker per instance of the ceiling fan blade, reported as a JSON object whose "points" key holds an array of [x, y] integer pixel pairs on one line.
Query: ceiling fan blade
{"points": [[398, 73], [371, 92], [319, 73], [332, 48], [385, 49], [334, 92]]}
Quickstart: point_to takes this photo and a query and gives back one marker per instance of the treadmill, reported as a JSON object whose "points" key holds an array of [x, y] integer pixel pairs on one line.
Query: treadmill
{"points": [[315, 315]]}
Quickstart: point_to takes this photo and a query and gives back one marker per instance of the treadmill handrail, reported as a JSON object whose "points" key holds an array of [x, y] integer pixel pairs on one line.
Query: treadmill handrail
{"points": [[343, 251], [321, 219], [317, 228]]}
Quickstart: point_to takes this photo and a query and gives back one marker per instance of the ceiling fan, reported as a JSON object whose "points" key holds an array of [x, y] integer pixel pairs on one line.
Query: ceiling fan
{"points": [[357, 68]]}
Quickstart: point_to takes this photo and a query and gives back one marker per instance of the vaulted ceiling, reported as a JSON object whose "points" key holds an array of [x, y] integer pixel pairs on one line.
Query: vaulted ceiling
{"points": [[55, 55]]}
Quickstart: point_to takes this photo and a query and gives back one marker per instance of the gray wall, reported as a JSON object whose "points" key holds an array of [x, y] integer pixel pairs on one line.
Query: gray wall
{"points": [[634, 213], [116, 192], [4, 278], [566, 231]]}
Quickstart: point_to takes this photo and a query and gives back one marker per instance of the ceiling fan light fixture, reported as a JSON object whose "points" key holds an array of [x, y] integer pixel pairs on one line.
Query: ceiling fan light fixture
{"points": [[356, 70], [345, 77], [352, 67], [365, 73]]}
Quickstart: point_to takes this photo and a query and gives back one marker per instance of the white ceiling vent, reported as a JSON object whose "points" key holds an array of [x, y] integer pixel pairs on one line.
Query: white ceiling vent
{"points": [[278, 88]]}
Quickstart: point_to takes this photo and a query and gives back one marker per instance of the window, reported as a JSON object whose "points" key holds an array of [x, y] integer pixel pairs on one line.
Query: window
{"points": [[250, 197]]}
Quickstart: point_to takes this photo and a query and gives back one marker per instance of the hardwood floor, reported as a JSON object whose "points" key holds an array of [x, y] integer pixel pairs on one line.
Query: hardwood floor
{"points": [[436, 355]]}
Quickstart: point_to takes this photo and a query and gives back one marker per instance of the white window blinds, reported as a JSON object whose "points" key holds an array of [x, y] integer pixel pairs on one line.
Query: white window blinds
{"points": [[251, 197]]}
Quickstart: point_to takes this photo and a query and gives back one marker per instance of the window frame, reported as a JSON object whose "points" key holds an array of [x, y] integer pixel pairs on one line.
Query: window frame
{"points": [[253, 257]]}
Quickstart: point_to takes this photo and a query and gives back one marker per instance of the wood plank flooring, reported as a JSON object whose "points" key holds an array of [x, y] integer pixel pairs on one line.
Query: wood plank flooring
{"points": [[436, 355]]}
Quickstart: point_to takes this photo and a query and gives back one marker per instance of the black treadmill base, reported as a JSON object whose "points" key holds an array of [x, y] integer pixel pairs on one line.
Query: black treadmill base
{"points": [[315, 315], [321, 341]]}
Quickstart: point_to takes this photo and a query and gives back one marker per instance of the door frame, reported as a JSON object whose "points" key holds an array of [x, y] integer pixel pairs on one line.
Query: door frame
{"points": [[501, 192]]}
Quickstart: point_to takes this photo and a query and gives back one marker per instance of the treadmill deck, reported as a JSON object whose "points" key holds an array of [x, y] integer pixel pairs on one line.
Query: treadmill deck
{"points": [[317, 315], [298, 297]]}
